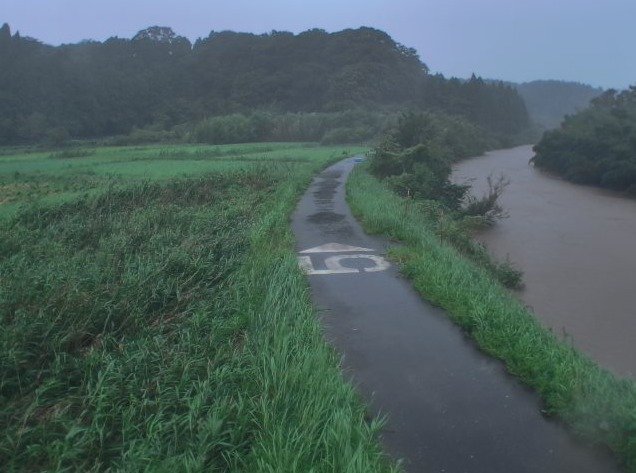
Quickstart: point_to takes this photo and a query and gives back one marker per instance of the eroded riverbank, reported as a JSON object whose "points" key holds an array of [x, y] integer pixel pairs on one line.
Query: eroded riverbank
{"points": [[575, 246]]}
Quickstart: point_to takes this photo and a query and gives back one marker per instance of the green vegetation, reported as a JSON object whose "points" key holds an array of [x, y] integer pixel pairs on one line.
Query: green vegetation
{"points": [[351, 126], [158, 321], [154, 317], [405, 191], [596, 146], [597, 406], [492, 105], [550, 101], [415, 162], [70, 173], [231, 87]]}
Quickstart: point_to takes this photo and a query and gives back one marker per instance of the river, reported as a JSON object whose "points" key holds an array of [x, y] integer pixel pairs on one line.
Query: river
{"points": [[577, 248]]}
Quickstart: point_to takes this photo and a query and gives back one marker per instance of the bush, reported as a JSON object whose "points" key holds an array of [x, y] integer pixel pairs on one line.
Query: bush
{"points": [[224, 130], [347, 135], [140, 136], [57, 137], [488, 206], [596, 146], [416, 164], [419, 172], [352, 126]]}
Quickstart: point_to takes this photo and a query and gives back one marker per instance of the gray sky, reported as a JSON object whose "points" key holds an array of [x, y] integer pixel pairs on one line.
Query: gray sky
{"points": [[590, 41]]}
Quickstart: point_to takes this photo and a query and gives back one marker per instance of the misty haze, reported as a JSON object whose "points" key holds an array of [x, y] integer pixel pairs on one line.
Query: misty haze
{"points": [[327, 237]]}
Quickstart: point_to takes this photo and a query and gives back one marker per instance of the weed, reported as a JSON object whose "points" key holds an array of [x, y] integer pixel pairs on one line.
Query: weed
{"points": [[164, 325], [596, 405]]}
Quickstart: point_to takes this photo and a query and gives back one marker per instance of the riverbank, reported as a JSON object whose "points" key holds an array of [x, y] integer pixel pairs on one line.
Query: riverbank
{"points": [[575, 246], [597, 406]]}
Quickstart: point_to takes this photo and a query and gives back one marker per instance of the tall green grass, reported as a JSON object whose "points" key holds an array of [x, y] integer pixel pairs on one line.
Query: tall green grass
{"points": [[302, 396], [165, 326], [597, 405]]}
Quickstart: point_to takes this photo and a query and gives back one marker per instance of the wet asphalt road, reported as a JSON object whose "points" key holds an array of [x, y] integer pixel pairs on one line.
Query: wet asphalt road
{"points": [[450, 408]]}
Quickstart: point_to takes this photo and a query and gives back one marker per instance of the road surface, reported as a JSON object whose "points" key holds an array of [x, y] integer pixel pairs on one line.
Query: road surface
{"points": [[450, 408]]}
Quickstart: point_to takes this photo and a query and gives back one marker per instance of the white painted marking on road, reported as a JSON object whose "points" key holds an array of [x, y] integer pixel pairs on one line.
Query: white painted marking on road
{"points": [[308, 267], [334, 265], [305, 264], [335, 248]]}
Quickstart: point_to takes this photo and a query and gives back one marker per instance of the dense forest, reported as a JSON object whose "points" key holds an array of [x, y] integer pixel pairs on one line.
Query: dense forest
{"points": [[597, 145], [159, 81], [549, 101]]}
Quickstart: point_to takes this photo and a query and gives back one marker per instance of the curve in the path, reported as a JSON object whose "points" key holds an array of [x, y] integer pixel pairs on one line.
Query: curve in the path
{"points": [[450, 408]]}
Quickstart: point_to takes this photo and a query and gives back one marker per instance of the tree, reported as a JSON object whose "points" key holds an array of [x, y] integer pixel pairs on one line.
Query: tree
{"points": [[5, 36], [158, 79], [597, 145]]}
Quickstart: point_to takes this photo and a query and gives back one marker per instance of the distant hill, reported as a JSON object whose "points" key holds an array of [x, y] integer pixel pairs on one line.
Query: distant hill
{"points": [[549, 101], [161, 80]]}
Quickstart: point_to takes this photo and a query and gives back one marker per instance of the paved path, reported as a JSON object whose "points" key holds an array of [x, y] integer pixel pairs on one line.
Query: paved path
{"points": [[450, 408]]}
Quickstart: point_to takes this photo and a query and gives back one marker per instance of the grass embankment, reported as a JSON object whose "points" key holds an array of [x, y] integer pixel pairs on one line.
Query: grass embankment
{"points": [[164, 325], [598, 406]]}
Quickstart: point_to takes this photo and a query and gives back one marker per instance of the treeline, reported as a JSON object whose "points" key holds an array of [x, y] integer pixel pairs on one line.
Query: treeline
{"points": [[549, 101], [595, 146], [494, 106], [159, 81], [349, 126]]}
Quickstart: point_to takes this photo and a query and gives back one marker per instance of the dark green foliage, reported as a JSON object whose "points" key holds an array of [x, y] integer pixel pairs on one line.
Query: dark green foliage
{"points": [[5, 35], [57, 137], [596, 146], [416, 157], [159, 82], [225, 130], [495, 107], [351, 126], [415, 161], [422, 173]]}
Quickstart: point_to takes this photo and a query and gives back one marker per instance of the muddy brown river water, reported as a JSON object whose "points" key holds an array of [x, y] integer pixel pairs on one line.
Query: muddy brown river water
{"points": [[577, 248]]}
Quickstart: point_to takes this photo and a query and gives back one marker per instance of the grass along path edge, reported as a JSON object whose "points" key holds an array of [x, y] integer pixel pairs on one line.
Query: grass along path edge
{"points": [[166, 326], [599, 407], [309, 417]]}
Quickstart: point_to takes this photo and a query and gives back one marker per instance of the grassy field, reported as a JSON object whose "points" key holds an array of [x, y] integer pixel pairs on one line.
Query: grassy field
{"points": [[60, 176], [598, 406], [154, 317]]}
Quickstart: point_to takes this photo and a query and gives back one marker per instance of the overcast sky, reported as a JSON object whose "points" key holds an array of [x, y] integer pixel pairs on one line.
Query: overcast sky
{"points": [[590, 41]]}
